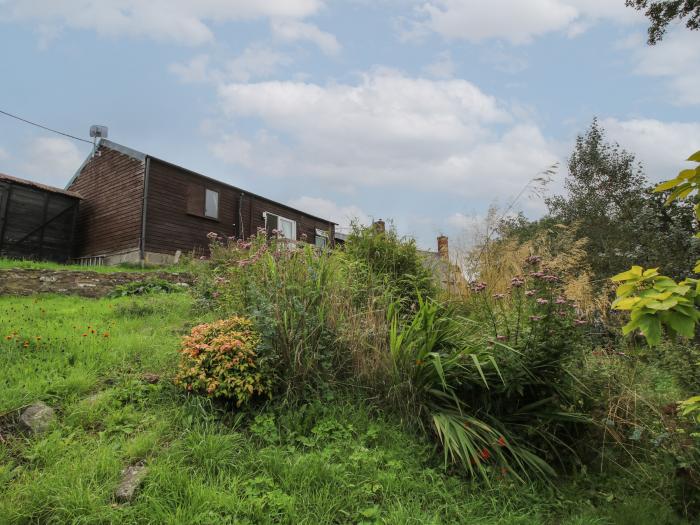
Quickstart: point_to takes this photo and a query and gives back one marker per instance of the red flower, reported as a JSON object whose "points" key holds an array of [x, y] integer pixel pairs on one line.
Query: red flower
{"points": [[485, 453], [501, 441]]}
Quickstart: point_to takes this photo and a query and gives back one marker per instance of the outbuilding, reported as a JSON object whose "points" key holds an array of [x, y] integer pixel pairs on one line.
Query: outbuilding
{"points": [[36, 221]]}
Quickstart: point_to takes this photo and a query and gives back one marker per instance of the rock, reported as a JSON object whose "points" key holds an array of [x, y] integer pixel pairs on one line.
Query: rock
{"points": [[132, 478], [151, 378], [37, 417]]}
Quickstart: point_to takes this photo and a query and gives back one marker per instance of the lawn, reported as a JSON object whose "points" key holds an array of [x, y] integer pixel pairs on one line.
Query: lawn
{"points": [[329, 460], [6, 264]]}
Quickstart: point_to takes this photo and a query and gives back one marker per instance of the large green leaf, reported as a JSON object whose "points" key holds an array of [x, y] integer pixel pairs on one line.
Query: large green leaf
{"points": [[650, 325], [681, 324], [695, 157], [633, 273]]}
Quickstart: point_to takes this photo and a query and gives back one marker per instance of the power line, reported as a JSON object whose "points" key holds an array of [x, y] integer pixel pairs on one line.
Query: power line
{"points": [[44, 127]]}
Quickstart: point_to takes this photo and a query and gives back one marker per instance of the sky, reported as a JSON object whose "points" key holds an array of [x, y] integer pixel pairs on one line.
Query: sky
{"points": [[424, 112]]}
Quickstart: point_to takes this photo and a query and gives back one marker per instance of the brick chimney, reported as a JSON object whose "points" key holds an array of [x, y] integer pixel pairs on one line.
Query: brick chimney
{"points": [[379, 226], [443, 248]]}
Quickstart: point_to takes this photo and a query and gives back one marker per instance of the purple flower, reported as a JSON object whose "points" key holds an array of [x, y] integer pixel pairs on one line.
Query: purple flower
{"points": [[542, 301], [517, 282], [477, 286], [530, 293], [499, 296], [560, 300], [533, 259]]}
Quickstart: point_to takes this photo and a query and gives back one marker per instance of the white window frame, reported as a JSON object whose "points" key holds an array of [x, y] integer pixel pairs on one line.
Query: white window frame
{"points": [[324, 235], [280, 219], [293, 225], [207, 191]]}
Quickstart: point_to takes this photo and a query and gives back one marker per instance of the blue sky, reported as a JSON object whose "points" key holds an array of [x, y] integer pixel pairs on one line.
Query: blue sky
{"points": [[424, 111]]}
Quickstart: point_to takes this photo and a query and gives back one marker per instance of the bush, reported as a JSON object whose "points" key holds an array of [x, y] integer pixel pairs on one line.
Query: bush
{"points": [[146, 287], [220, 360], [391, 262]]}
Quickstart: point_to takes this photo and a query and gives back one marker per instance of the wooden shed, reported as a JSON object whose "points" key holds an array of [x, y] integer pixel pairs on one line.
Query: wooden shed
{"points": [[36, 221], [138, 208]]}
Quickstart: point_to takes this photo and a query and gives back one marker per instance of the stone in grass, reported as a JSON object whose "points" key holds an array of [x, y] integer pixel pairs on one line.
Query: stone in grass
{"points": [[132, 478], [37, 417], [150, 378]]}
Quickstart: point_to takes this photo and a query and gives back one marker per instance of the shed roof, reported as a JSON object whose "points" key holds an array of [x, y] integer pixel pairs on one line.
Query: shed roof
{"points": [[38, 185], [140, 156]]}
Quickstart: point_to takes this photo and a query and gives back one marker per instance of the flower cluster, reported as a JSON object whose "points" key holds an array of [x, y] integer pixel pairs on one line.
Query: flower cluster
{"points": [[220, 360], [477, 286]]}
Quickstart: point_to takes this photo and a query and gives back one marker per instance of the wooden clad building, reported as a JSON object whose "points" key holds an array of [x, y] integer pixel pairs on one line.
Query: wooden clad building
{"points": [[36, 221], [140, 208]]}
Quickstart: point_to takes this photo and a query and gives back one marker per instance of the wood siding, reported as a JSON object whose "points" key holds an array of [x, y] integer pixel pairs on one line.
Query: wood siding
{"points": [[36, 223], [175, 216], [109, 222]]}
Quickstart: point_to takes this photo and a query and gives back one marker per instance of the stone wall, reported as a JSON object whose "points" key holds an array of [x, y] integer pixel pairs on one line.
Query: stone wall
{"points": [[16, 281]]}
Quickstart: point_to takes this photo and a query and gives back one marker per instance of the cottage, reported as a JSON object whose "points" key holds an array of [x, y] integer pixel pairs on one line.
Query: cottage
{"points": [[138, 208], [36, 221]]}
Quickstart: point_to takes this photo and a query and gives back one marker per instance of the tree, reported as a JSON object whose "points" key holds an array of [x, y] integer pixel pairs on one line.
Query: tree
{"points": [[662, 13], [602, 199], [610, 202]]}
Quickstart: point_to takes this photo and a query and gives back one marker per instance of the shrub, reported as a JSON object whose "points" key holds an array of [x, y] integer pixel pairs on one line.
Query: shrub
{"points": [[220, 360], [391, 262], [146, 287]]}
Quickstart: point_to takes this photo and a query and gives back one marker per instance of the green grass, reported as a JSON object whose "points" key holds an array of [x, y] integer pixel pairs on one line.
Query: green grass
{"points": [[6, 264], [329, 460]]}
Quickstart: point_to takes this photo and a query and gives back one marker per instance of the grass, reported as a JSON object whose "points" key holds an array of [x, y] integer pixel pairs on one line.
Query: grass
{"points": [[328, 460], [7, 264]]}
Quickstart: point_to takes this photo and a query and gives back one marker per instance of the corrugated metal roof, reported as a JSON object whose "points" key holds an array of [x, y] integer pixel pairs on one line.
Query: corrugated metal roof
{"points": [[38, 185]]}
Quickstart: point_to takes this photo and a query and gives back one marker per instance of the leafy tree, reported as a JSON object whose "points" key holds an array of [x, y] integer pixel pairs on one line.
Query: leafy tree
{"points": [[662, 13], [623, 225]]}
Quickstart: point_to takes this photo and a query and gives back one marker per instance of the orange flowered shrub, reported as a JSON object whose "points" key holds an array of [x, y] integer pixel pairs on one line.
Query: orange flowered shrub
{"points": [[220, 360]]}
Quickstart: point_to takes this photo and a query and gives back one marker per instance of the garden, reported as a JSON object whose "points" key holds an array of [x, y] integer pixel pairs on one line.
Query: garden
{"points": [[296, 385]]}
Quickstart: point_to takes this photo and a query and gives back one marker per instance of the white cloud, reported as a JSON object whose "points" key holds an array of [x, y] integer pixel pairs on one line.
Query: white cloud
{"points": [[442, 67], [341, 215], [184, 21], [51, 160], [192, 71], [387, 130], [294, 30], [513, 20], [661, 146], [256, 61], [676, 59]]}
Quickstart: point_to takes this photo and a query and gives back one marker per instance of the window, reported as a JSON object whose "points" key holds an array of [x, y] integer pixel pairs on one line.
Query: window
{"points": [[211, 204], [287, 227], [321, 238]]}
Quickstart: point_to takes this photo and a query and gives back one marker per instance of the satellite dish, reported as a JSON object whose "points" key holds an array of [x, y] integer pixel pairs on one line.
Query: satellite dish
{"points": [[99, 132]]}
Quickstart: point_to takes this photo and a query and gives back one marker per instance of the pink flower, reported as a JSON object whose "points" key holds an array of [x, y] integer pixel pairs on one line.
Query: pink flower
{"points": [[535, 318], [580, 322], [517, 282], [530, 293], [533, 259], [542, 301], [560, 300], [477, 286], [499, 296]]}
